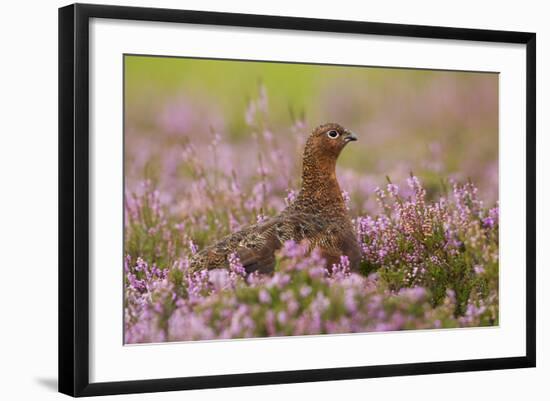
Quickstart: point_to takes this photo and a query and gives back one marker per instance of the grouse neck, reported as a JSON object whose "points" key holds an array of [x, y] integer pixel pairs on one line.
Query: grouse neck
{"points": [[320, 189]]}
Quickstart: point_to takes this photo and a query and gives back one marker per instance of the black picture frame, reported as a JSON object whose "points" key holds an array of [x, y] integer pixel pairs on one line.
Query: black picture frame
{"points": [[74, 194]]}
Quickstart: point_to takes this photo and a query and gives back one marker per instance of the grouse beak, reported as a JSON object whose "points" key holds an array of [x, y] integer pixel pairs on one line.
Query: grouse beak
{"points": [[350, 137]]}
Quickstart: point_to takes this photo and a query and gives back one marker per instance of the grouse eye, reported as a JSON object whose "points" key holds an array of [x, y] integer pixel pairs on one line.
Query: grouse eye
{"points": [[333, 134]]}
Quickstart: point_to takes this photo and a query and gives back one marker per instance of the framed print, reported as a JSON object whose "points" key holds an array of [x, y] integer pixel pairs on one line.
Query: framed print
{"points": [[250, 199]]}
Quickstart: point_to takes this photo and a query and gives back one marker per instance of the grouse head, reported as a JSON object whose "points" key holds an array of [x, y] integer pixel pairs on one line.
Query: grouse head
{"points": [[327, 141]]}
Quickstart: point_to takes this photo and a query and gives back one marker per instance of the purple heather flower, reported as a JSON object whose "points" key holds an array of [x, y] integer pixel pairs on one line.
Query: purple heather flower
{"points": [[219, 278], [290, 197], [349, 302], [415, 293], [494, 213], [413, 182], [127, 260], [488, 222], [380, 194], [141, 265], [292, 249], [264, 296], [235, 265], [478, 269], [393, 189], [282, 317], [341, 269], [305, 290], [192, 247]]}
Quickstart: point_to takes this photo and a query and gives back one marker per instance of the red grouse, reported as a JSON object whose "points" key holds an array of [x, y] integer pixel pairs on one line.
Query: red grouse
{"points": [[318, 216]]}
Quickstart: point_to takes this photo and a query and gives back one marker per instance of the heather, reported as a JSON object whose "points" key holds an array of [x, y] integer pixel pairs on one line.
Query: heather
{"points": [[426, 216]]}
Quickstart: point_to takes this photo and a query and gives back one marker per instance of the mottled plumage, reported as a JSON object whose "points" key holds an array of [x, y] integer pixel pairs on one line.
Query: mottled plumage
{"points": [[318, 216]]}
